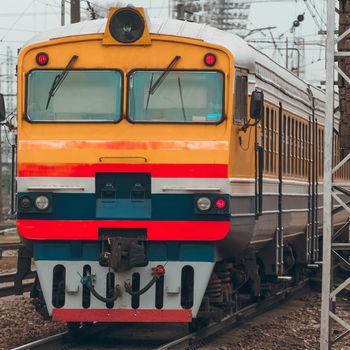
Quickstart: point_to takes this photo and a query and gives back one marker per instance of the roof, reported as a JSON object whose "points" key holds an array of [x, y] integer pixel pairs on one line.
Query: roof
{"points": [[245, 55], [163, 26]]}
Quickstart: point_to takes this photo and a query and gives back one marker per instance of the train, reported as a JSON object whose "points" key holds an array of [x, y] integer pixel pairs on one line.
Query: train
{"points": [[165, 170]]}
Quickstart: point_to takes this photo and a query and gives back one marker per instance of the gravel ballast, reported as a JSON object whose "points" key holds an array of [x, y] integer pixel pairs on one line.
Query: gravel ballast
{"points": [[21, 324], [294, 325]]}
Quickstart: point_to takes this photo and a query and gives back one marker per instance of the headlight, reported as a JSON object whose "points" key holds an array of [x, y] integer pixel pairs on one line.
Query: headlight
{"points": [[203, 203], [25, 202], [42, 202]]}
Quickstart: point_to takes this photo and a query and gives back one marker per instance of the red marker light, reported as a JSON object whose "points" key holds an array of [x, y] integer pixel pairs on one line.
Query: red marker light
{"points": [[42, 58], [209, 59], [220, 203]]}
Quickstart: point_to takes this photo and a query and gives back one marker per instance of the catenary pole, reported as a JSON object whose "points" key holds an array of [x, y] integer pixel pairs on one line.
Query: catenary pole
{"points": [[75, 11], [63, 9], [325, 343]]}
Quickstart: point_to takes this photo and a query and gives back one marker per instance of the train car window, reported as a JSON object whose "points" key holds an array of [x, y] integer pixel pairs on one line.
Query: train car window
{"points": [[288, 158], [309, 142], [319, 151], [318, 155], [240, 99], [272, 139], [284, 143], [298, 148], [275, 143], [306, 147], [292, 134], [303, 140], [262, 131], [322, 151], [182, 97], [83, 96], [267, 118]]}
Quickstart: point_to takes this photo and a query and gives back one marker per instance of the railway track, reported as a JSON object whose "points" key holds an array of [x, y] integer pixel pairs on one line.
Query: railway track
{"points": [[7, 229], [161, 337], [15, 282]]}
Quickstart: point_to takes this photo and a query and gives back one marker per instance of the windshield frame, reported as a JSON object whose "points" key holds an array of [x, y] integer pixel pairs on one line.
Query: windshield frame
{"points": [[223, 116], [122, 81]]}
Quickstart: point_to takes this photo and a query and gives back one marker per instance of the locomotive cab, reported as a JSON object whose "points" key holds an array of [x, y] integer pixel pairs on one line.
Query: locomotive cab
{"points": [[123, 155]]}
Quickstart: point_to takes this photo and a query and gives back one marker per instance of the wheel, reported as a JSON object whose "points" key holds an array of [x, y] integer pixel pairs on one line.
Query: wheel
{"points": [[197, 324], [73, 326]]}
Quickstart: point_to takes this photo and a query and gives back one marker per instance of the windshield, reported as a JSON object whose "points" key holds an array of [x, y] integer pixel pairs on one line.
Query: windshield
{"points": [[83, 96], [182, 97]]}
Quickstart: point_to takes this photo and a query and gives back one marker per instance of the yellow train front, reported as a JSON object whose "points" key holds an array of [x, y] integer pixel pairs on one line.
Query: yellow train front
{"points": [[123, 153]]}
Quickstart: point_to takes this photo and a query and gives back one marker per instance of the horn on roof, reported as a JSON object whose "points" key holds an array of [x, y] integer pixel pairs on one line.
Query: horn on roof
{"points": [[127, 26]]}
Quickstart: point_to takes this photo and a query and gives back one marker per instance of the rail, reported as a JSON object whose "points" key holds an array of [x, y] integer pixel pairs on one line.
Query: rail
{"points": [[70, 340], [22, 280], [194, 340]]}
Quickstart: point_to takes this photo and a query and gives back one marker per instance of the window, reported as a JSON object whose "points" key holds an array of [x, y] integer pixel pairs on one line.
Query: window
{"points": [[241, 99], [292, 136], [322, 152], [288, 154], [284, 144], [83, 96], [267, 140], [272, 140], [178, 97]]}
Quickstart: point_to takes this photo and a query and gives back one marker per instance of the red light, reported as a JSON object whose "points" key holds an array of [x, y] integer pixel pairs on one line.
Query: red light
{"points": [[42, 58], [220, 203], [209, 59]]}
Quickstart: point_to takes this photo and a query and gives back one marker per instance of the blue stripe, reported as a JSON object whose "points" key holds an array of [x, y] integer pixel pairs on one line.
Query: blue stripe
{"points": [[72, 206], [156, 251]]}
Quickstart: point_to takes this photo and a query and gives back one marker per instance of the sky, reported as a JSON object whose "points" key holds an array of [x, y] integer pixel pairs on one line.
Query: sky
{"points": [[21, 19]]}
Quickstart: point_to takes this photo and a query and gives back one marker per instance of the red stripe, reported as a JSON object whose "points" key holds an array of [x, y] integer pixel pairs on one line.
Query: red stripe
{"points": [[110, 315], [156, 230], [156, 170], [204, 145]]}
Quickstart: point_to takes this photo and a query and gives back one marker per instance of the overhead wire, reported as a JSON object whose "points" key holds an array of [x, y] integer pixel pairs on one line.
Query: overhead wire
{"points": [[316, 11], [16, 21]]}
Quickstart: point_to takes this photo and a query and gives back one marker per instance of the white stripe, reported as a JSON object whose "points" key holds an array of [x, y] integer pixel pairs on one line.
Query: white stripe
{"points": [[56, 184], [181, 185], [87, 185]]}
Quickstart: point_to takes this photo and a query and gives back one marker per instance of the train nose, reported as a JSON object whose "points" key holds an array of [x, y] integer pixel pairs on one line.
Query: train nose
{"points": [[123, 196]]}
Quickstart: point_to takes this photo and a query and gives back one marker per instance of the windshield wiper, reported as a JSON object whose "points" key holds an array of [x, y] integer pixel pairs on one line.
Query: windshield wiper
{"points": [[154, 87], [59, 78], [149, 89], [181, 98], [157, 83]]}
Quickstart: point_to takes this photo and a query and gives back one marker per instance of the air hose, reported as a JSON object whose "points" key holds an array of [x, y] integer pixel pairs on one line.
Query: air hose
{"points": [[157, 272], [87, 281]]}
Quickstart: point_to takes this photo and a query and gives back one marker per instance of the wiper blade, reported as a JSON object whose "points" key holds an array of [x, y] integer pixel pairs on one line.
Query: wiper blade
{"points": [[157, 83], [59, 78], [181, 98], [149, 91]]}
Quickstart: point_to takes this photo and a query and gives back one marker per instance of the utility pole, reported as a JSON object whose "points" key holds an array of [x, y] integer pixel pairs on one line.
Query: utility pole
{"points": [[10, 73], [228, 15], [344, 87], [180, 11], [333, 250], [75, 11], [63, 9]]}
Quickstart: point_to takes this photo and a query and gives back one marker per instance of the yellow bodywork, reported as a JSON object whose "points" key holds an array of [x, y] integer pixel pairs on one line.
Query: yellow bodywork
{"points": [[43, 143]]}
